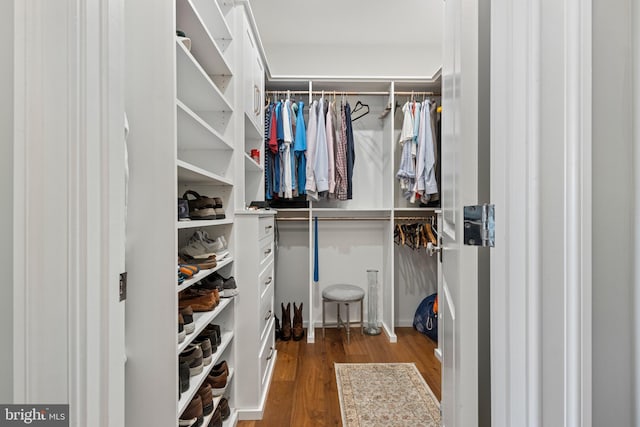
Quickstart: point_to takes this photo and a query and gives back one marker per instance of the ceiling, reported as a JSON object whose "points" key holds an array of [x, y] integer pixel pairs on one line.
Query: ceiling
{"points": [[351, 37]]}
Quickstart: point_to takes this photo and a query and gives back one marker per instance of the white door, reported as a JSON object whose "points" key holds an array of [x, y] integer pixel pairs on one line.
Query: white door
{"points": [[458, 302]]}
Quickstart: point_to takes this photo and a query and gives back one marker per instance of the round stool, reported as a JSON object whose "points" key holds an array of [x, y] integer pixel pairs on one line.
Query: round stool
{"points": [[343, 294]]}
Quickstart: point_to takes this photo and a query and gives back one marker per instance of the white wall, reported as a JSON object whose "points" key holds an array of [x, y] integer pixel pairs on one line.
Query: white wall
{"points": [[6, 192], [377, 60], [613, 190]]}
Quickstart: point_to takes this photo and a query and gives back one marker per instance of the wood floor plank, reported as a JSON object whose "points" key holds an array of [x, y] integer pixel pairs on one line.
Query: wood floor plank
{"points": [[304, 393]]}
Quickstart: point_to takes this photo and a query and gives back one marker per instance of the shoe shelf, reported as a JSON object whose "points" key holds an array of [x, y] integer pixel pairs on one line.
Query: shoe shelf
{"points": [[203, 46], [195, 87], [231, 421], [198, 223], [190, 174], [196, 381], [252, 135], [196, 134], [204, 273], [216, 402], [201, 320], [251, 165]]}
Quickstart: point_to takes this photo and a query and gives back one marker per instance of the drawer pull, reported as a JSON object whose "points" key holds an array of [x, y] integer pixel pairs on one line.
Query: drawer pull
{"points": [[268, 227], [268, 315], [268, 281], [267, 252], [270, 353]]}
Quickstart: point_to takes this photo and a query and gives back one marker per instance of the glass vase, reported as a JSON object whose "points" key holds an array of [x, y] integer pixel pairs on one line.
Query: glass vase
{"points": [[372, 327]]}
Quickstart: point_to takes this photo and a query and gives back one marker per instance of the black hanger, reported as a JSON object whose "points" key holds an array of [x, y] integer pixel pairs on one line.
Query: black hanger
{"points": [[359, 108]]}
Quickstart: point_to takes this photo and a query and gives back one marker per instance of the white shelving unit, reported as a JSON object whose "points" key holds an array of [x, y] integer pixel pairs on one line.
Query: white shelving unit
{"points": [[358, 234], [186, 109]]}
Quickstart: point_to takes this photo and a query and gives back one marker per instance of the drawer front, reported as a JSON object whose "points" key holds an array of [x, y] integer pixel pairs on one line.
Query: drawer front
{"points": [[265, 226], [267, 310], [266, 354], [266, 280], [266, 250]]}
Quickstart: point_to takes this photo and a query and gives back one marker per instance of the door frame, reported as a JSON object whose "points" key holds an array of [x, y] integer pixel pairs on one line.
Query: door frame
{"points": [[520, 68], [68, 218]]}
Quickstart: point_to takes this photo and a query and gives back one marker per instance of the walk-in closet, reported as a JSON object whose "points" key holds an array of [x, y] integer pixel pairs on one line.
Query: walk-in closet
{"points": [[360, 233], [287, 183]]}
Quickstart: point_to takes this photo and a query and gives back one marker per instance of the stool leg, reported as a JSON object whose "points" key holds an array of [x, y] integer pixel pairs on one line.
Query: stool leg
{"points": [[338, 319], [323, 303], [348, 324], [361, 319]]}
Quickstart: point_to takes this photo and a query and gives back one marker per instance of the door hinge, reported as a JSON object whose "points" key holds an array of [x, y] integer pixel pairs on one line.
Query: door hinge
{"points": [[123, 286], [479, 225]]}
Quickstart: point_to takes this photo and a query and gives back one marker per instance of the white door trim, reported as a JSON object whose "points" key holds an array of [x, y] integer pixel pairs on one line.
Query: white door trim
{"points": [[577, 213], [68, 207], [635, 25], [516, 173], [515, 170]]}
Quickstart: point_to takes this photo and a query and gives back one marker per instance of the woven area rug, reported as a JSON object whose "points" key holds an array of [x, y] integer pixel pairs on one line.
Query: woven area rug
{"points": [[385, 394]]}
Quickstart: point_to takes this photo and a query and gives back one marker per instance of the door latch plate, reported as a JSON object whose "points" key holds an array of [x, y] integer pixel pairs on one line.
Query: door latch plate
{"points": [[479, 225], [123, 286]]}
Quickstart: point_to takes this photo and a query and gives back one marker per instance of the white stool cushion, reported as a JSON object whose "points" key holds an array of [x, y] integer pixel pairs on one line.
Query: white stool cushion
{"points": [[343, 293]]}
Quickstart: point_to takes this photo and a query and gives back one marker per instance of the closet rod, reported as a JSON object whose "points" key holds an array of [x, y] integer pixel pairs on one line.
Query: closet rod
{"points": [[355, 218], [337, 92], [335, 218]]}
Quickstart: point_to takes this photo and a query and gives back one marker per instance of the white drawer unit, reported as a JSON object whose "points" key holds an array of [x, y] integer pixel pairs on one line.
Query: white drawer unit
{"points": [[267, 353], [266, 308], [266, 227], [266, 250], [255, 339]]}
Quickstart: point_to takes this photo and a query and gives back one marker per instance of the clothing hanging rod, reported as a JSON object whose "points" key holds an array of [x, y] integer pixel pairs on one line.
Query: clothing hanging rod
{"points": [[331, 92], [355, 218]]}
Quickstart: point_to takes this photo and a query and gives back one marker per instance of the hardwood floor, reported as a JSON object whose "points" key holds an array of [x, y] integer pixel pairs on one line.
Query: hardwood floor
{"points": [[303, 391]]}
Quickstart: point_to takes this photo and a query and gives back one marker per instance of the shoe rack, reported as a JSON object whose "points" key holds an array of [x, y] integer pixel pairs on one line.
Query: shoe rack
{"points": [[193, 126]]}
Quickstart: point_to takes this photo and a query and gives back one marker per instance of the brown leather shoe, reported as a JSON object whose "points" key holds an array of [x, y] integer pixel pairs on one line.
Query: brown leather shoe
{"points": [[225, 411], [298, 330], [216, 419], [220, 368], [218, 383], [207, 398], [199, 300], [286, 322], [193, 411]]}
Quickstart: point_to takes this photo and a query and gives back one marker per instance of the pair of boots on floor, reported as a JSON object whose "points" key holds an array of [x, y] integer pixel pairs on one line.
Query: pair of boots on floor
{"points": [[288, 329]]}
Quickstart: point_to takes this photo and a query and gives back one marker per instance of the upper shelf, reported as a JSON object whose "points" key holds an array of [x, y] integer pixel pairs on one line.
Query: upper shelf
{"points": [[252, 134], [251, 165], [188, 173], [214, 19], [196, 134], [195, 87], [203, 23]]}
